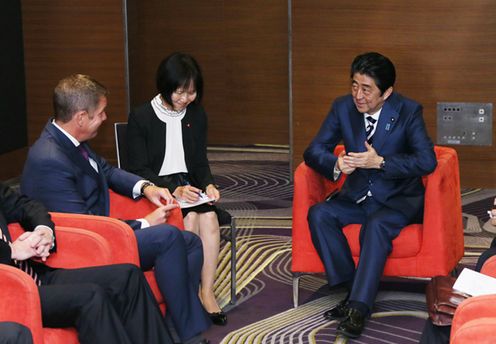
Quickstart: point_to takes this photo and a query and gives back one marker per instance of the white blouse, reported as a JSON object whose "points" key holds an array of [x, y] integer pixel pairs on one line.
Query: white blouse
{"points": [[174, 161]]}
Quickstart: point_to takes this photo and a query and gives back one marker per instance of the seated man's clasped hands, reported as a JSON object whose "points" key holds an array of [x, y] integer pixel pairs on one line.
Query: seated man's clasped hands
{"points": [[66, 175]]}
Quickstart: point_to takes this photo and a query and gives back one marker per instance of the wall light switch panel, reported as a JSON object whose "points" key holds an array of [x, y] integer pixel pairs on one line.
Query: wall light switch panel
{"points": [[465, 124]]}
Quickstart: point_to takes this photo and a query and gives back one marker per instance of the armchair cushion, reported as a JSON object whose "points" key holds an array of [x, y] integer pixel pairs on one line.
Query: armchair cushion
{"points": [[120, 236], [471, 316]]}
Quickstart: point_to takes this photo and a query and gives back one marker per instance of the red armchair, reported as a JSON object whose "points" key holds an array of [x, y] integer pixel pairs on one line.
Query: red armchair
{"points": [[20, 300], [123, 245], [421, 250], [475, 318]]}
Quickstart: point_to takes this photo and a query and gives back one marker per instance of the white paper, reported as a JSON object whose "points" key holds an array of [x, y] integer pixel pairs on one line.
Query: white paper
{"points": [[203, 198], [474, 283]]}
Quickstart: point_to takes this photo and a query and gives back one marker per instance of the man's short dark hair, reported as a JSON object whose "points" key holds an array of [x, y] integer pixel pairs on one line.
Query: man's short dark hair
{"points": [[178, 70], [75, 93], [376, 66]]}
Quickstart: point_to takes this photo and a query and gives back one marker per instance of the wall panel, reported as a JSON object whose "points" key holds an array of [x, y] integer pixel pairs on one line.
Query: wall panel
{"points": [[78, 36], [443, 50], [242, 49]]}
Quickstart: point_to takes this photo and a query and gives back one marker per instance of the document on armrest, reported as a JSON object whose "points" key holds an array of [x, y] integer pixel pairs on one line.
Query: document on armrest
{"points": [[474, 283], [203, 198]]}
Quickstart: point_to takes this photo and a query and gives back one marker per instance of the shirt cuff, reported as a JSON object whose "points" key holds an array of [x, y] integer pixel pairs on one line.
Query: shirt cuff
{"points": [[137, 188], [337, 172], [144, 223], [43, 226]]}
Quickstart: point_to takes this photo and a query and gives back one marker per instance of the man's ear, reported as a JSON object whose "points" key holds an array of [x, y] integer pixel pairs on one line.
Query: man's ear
{"points": [[78, 117], [387, 93]]}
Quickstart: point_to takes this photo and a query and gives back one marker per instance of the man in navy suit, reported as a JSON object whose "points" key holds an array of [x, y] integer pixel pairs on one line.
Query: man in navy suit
{"points": [[387, 151], [64, 174]]}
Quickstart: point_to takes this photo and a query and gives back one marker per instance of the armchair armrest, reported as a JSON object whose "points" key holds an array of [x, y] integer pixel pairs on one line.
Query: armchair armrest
{"points": [[480, 331], [125, 208], [20, 301], [123, 247], [310, 187], [77, 248], [489, 267], [442, 224], [474, 309]]}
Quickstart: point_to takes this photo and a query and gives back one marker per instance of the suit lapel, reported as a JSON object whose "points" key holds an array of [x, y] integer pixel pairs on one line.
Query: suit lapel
{"points": [[70, 150], [387, 120]]}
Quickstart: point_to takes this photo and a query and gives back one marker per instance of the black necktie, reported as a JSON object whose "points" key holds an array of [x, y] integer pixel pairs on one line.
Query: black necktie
{"points": [[370, 128], [23, 265]]}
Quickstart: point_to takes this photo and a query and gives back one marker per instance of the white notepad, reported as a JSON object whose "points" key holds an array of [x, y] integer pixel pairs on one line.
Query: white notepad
{"points": [[474, 283], [203, 198]]}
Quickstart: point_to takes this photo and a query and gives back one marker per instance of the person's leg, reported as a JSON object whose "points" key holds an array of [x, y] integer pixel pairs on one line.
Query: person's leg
{"points": [[376, 239], [168, 251], [210, 237], [106, 304], [194, 246], [14, 333], [326, 221], [432, 334]]}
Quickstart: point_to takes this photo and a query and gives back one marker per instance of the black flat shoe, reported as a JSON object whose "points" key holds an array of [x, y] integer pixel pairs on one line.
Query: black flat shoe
{"points": [[352, 326], [339, 312], [218, 318]]}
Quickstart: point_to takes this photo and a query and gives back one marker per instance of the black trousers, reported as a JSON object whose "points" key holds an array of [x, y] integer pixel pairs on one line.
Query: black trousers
{"points": [[14, 333], [109, 304]]}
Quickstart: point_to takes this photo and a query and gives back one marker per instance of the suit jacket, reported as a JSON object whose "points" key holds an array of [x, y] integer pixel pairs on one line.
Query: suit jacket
{"points": [[17, 208], [57, 174], [400, 137], [146, 136]]}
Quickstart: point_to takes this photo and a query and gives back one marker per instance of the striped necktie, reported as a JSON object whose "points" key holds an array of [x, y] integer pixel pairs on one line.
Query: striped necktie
{"points": [[370, 128], [23, 265]]}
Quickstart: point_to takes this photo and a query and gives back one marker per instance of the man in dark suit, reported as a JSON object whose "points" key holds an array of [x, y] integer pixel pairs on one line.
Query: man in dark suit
{"points": [[108, 304], [14, 333], [64, 174], [387, 151]]}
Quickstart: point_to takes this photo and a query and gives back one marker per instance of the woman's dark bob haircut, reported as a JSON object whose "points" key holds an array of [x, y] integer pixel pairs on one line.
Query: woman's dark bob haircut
{"points": [[178, 70]]}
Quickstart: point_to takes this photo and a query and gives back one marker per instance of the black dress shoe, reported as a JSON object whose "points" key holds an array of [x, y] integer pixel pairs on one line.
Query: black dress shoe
{"points": [[352, 326], [339, 312], [218, 318]]}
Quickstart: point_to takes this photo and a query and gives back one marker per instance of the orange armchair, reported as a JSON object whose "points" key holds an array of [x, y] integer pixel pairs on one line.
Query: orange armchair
{"points": [[421, 250], [475, 318], [123, 245], [20, 300]]}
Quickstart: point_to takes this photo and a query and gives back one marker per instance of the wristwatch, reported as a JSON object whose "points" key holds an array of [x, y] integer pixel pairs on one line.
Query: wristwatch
{"points": [[144, 186]]}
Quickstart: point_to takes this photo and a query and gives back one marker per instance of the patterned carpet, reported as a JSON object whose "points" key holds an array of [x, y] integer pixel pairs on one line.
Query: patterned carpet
{"points": [[256, 189]]}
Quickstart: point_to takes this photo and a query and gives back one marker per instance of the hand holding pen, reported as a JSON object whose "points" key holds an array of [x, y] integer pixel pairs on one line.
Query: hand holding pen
{"points": [[187, 193]]}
